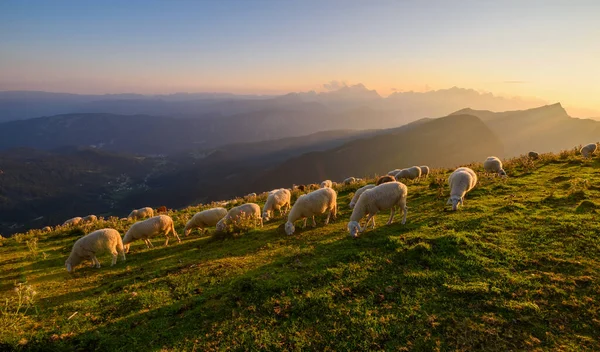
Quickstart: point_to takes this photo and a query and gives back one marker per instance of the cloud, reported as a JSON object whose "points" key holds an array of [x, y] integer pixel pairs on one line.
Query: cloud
{"points": [[514, 82], [393, 89], [335, 85]]}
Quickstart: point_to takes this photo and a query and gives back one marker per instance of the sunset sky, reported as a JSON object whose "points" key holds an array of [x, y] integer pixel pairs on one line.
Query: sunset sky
{"points": [[544, 49]]}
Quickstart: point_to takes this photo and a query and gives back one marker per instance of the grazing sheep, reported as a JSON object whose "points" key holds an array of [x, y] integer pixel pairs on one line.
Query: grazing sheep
{"points": [[46, 229], [394, 172], [318, 202], [383, 197], [73, 221], [350, 180], [424, 170], [588, 150], [358, 193], [145, 229], [300, 188], [412, 173], [204, 219], [533, 155], [250, 195], [461, 181], [141, 213], [92, 244], [326, 183], [89, 218], [494, 165], [384, 179], [278, 199], [250, 210], [161, 209]]}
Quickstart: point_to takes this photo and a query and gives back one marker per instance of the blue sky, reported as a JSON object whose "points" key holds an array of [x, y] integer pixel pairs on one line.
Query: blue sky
{"points": [[547, 49]]}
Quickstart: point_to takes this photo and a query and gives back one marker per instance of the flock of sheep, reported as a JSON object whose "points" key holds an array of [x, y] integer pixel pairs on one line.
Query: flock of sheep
{"points": [[387, 194]]}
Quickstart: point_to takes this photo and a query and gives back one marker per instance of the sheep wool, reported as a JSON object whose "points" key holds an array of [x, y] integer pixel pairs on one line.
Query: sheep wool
{"points": [[141, 213], [384, 179], [326, 183], [461, 181], [350, 180], [588, 150], [250, 210], [533, 155], [494, 165], [394, 172], [390, 195], [204, 219], [358, 193], [318, 202], [73, 221], [424, 170], [278, 199], [412, 173], [90, 218], [146, 229], [93, 244]]}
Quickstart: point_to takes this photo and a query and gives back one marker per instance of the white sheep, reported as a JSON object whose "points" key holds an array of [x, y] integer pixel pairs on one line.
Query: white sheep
{"points": [[461, 181], [95, 243], [141, 213], [90, 218], [73, 221], [389, 195], [350, 180], [145, 229], [494, 165], [424, 170], [326, 183], [204, 219], [588, 150], [278, 199], [46, 229], [358, 193], [394, 172], [249, 210], [318, 202], [412, 173]]}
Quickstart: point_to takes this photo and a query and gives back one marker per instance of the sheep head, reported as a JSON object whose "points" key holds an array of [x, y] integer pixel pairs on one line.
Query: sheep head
{"points": [[354, 228], [289, 228]]}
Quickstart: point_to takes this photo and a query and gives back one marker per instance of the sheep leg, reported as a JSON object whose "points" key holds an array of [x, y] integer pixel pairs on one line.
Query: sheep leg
{"points": [[114, 258], [371, 218], [167, 241], [146, 242], [314, 222], [303, 226], [405, 211], [95, 260], [392, 213], [327, 219]]}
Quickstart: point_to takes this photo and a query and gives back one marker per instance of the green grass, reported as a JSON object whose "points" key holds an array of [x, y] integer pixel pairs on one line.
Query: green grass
{"points": [[516, 268]]}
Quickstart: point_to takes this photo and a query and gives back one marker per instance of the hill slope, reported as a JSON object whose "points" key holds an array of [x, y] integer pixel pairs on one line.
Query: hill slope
{"points": [[447, 141], [515, 269], [543, 129]]}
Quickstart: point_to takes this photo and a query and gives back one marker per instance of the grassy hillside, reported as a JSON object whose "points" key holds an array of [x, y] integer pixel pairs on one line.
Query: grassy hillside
{"points": [[515, 269]]}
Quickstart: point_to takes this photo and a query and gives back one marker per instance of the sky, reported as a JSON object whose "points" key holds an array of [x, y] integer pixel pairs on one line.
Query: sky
{"points": [[545, 49]]}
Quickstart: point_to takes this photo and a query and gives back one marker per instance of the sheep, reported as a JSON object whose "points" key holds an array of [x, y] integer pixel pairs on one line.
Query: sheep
{"points": [[318, 202], [141, 213], [326, 183], [494, 165], [250, 210], [588, 150], [424, 170], [358, 193], [384, 179], [73, 221], [386, 196], [97, 242], [89, 218], [394, 172], [250, 195], [300, 188], [533, 155], [46, 229], [278, 199], [350, 180], [412, 173], [161, 209], [160, 224], [461, 181], [204, 219]]}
